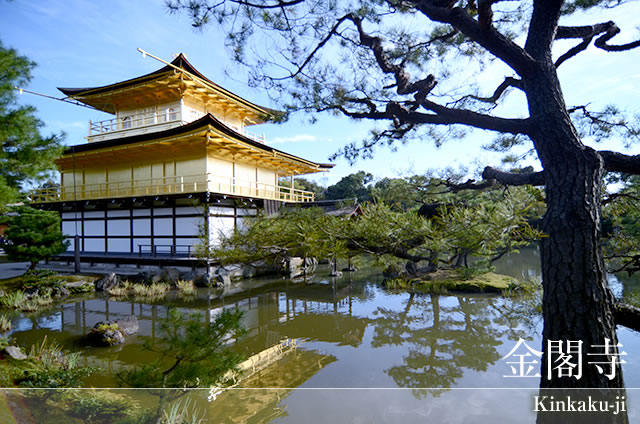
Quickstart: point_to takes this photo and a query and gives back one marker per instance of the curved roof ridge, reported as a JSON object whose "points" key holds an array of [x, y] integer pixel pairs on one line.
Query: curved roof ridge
{"points": [[179, 61]]}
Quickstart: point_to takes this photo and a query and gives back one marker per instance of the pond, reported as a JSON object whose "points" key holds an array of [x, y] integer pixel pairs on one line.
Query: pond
{"points": [[364, 354]]}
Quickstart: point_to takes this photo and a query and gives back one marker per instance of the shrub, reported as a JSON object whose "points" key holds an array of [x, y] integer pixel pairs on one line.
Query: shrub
{"points": [[47, 365], [186, 287], [5, 324], [102, 406], [34, 235]]}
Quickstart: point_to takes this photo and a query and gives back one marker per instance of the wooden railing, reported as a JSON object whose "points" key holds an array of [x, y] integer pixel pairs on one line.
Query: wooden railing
{"points": [[150, 119], [134, 121], [171, 185]]}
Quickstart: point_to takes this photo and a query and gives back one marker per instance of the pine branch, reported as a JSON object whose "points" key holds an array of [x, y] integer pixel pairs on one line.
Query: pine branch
{"points": [[489, 38], [619, 162]]}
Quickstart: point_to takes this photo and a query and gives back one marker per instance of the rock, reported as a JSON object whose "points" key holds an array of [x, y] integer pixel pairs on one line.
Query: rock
{"points": [[170, 275], [391, 272], [310, 265], [79, 286], [107, 282], [128, 325], [233, 271], [297, 267], [189, 276], [106, 333], [15, 352], [31, 292], [223, 279], [155, 277], [205, 280], [411, 268], [139, 278], [61, 291], [293, 264], [249, 271]]}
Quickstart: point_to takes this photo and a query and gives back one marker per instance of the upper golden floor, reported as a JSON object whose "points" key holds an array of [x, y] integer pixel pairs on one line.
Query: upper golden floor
{"points": [[167, 98], [174, 132]]}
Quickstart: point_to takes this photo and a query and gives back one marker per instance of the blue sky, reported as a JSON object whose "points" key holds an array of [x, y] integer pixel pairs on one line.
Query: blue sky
{"points": [[79, 43]]}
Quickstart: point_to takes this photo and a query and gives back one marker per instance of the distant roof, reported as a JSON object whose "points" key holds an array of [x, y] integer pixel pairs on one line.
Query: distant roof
{"points": [[181, 62], [340, 207]]}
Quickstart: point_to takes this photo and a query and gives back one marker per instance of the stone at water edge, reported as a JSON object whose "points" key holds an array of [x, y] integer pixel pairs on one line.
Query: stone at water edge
{"points": [[188, 276], [128, 325], [79, 286], [107, 282], [223, 279], [170, 275], [205, 280], [15, 352], [106, 333]]}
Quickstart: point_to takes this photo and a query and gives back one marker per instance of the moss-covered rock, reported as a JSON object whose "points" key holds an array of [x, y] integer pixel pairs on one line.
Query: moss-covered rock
{"points": [[106, 333], [445, 281]]}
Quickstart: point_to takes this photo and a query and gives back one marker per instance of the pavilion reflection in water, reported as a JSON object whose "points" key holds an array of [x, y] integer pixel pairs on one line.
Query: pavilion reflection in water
{"points": [[271, 313]]}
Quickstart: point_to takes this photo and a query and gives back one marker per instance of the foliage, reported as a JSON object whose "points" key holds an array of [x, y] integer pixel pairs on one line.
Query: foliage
{"points": [[621, 226], [304, 184], [351, 186], [26, 155], [194, 353], [399, 193], [47, 366], [5, 324], [149, 290], [186, 287], [34, 235], [446, 281], [34, 279], [155, 290], [306, 232], [181, 412], [487, 225], [123, 289], [28, 303], [102, 407], [415, 69]]}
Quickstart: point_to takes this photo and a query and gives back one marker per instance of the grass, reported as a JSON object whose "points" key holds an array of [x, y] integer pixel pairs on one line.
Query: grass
{"points": [[47, 283], [631, 298], [151, 290], [121, 290], [19, 300], [5, 324], [47, 365], [127, 289], [186, 287]]}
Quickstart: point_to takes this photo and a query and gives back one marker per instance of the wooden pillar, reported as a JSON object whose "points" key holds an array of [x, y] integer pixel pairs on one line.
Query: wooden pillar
{"points": [[292, 187]]}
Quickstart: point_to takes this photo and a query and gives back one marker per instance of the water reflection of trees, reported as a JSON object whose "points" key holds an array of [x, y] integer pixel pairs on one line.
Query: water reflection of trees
{"points": [[444, 336]]}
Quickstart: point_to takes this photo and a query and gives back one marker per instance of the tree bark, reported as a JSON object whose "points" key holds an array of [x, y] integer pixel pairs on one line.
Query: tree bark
{"points": [[577, 303]]}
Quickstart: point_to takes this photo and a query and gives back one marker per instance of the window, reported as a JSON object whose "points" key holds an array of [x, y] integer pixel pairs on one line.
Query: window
{"points": [[172, 115], [126, 122]]}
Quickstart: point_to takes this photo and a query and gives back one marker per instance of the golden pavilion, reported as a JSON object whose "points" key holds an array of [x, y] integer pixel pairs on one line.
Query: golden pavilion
{"points": [[175, 161]]}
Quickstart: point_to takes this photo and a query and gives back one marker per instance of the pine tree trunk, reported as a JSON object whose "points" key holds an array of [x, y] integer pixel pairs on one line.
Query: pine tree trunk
{"points": [[577, 303]]}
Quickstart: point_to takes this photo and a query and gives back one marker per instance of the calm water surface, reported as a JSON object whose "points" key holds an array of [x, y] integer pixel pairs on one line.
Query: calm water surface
{"points": [[365, 354]]}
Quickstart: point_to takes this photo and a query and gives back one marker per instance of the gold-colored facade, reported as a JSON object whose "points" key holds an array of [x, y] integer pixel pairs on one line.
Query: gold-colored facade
{"points": [[174, 132]]}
